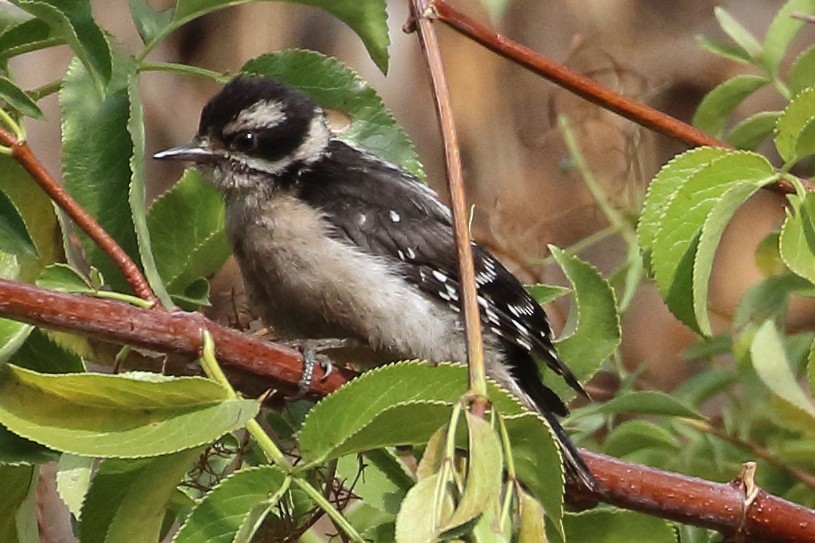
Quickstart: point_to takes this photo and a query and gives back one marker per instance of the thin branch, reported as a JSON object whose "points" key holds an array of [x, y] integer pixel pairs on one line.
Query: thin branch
{"points": [[800, 475], [441, 97], [724, 507], [582, 86], [22, 153], [266, 365]]}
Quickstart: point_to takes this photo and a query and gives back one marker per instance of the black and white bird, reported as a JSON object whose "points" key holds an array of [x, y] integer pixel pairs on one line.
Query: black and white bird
{"points": [[334, 242]]}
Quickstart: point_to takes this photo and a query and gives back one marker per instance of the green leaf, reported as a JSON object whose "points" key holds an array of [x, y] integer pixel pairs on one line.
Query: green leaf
{"points": [[196, 246], [11, 15], [195, 296], [12, 336], [367, 18], [795, 138], [531, 527], [797, 240], [597, 333], [17, 520], [484, 471], [72, 21], [149, 23], [74, 475], [685, 221], [712, 114], [752, 131], [768, 256], [63, 278], [417, 521], [37, 212], [647, 402], [27, 36], [433, 456], [138, 192], [96, 153], [40, 353], [544, 294], [236, 506], [394, 392], [802, 73], [17, 450], [705, 385], [128, 498], [712, 230], [15, 97], [381, 479], [737, 32], [773, 368], [732, 52], [617, 526], [14, 238], [408, 423], [663, 190], [538, 463], [768, 298], [633, 435], [334, 86], [782, 30], [117, 415]]}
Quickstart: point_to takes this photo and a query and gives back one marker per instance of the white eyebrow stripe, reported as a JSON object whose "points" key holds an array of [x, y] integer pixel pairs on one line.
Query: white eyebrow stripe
{"points": [[262, 114]]}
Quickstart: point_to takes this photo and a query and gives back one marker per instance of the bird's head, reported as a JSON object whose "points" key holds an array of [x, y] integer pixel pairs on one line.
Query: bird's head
{"points": [[256, 132]]}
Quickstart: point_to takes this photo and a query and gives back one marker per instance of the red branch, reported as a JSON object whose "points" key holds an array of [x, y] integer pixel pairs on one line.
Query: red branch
{"points": [[21, 152], [717, 506]]}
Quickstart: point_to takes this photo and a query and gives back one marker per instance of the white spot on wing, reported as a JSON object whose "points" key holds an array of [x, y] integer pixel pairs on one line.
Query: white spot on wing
{"points": [[395, 217], [439, 276]]}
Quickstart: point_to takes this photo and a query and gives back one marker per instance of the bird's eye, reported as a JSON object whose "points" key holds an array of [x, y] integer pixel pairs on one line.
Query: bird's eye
{"points": [[244, 141]]}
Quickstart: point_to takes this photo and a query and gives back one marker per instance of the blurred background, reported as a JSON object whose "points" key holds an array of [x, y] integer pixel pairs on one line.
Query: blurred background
{"points": [[520, 176]]}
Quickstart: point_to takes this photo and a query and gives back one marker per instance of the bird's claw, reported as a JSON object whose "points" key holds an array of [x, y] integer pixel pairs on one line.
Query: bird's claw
{"points": [[310, 349]]}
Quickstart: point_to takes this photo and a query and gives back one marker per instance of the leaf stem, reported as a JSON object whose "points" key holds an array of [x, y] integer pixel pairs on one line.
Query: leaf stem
{"points": [[186, 69], [209, 363], [510, 465], [13, 125], [615, 218]]}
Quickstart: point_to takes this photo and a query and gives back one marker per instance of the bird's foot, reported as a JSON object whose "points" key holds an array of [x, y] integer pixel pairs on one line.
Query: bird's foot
{"points": [[311, 350]]}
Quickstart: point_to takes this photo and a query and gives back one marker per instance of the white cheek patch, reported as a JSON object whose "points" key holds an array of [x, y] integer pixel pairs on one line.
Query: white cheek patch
{"points": [[261, 115]]}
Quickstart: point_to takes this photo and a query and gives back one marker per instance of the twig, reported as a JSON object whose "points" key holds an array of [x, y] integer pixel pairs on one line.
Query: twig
{"points": [[584, 87], [21, 152], [806, 17], [800, 475], [648, 490], [428, 41]]}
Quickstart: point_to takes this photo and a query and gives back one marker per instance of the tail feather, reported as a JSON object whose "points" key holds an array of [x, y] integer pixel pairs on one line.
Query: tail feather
{"points": [[548, 404]]}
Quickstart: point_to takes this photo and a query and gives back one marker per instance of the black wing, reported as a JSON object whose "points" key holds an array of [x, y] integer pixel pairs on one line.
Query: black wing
{"points": [[386, 212]]}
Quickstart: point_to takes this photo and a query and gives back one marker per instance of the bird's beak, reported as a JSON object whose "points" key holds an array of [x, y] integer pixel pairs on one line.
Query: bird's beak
{"points": [[198, 150]]}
